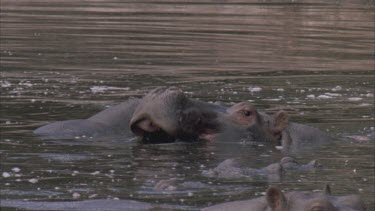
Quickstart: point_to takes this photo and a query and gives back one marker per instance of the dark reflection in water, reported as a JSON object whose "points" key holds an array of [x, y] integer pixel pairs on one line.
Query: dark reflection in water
{"points": [[69, 59]]}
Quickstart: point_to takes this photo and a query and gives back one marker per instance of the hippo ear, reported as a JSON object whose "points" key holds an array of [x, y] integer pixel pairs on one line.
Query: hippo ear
{"points": [[281, 120], [276, 199], [327, 189]]}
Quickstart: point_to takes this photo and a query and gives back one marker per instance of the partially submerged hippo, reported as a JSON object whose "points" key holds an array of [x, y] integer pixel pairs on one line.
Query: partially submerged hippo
{"points": [[276, 200], [161, 115], [164, 115], [233, 168]]}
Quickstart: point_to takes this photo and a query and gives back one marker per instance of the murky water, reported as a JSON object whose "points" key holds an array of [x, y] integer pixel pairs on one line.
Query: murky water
{"points": [[68, 59]]}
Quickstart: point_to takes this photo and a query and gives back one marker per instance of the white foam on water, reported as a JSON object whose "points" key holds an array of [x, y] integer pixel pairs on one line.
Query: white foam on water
{"points": [[355, 99], [337, 88], [96, 89], [254, 89], [6, 174], [33, 180], [5, 84], [324, 97]]}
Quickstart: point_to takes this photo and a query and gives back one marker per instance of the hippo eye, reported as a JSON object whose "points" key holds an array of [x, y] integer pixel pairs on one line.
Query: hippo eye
{"points": [[247, 113]]}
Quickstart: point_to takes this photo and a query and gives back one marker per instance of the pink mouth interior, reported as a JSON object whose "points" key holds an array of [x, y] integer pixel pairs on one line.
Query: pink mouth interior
{"points": [[208, 136]]}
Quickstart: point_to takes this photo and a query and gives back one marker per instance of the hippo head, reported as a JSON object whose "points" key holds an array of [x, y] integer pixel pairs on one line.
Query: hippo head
{"points": [[165, 115], [311, 201], [250, 125]]}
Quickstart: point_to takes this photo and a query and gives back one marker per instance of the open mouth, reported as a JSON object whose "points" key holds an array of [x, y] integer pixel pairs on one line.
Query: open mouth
{"points": [[207, 136], [150, 132], [189, 126]]}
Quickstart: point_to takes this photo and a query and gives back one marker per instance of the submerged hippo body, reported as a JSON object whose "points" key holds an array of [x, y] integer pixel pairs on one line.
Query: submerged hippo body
{"points": [[233, 168], [275, 200], [164, 115]]}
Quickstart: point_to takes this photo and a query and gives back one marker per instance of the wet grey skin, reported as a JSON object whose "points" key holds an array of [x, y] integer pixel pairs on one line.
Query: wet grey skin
{"points": [[167, 114], [188, 119], [276, 200], [111, 121], [162, 115], [159, 116], [244, 122]]}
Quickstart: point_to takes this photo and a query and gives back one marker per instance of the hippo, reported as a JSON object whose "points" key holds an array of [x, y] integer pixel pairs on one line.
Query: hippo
{"points": [[233, 169], [161, 115], [276, 200], [258, 126], [167, 115]]}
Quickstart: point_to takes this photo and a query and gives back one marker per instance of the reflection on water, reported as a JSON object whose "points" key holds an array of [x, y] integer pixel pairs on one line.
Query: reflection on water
{"points": [[69, 59]]}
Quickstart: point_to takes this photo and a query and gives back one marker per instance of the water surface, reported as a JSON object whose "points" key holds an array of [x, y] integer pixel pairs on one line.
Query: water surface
{"points": [[69, 59]]}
